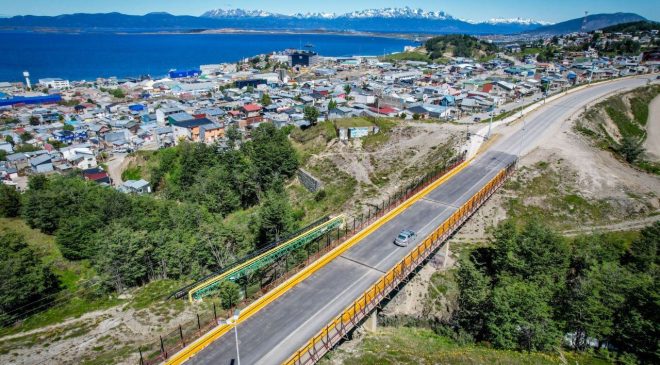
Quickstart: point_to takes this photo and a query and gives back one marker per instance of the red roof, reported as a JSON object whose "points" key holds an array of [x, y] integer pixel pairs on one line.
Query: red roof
{"points": [[487, 88], [383, 110], [251, 107], [96, 176]]}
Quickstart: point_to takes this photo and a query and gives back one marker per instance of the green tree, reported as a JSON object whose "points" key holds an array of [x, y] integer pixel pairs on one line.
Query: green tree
{"points": [[229, 294], [332, 104], [265, 99], [233, 136], [10, 201], [3, 155], [26, 136], [275, 217], [9, 139], [215, 191], [122, 257], [630, 149], [522, 317], [35, 120], [272, 154], [75, 236], [311, 114], [474, 297], [68, 127], [347, 89], [642, 256], [534, 253], [25, 281]]}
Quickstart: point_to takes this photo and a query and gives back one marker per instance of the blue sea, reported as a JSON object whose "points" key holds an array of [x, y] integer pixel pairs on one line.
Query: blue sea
{"points": [[86, 56]]}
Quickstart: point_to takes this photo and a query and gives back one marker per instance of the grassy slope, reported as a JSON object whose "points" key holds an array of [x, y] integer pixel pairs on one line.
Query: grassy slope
{"points": [[404, 345], [629, 112]]}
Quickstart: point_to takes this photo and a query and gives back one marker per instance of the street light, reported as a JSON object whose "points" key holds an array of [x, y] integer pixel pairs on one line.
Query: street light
{"points": [[234, 320]]}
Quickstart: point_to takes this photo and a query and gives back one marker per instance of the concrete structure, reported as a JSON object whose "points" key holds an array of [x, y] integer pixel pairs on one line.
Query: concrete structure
{"points": [[271, 335], [54, 83]]}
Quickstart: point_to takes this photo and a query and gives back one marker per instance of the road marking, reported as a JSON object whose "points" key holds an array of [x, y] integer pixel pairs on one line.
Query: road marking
{"points": [[340, 295], [201, 343]]}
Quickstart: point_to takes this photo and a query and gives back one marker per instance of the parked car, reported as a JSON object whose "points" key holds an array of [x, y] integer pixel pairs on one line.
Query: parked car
{"points": [[477, 119], [404, 238]]}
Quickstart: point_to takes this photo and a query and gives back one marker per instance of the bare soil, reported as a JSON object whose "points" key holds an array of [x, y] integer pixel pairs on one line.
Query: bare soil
{"points": [[652, 143]]}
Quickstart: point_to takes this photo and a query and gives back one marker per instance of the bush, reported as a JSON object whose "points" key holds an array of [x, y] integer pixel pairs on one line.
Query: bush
{"points": [[229, 294]]}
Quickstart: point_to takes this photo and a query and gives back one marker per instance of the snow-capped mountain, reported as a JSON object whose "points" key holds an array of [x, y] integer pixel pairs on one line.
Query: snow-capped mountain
{"points": [[404, 19], [398, 13], [238, 13], [522, 21], [406, 12]]}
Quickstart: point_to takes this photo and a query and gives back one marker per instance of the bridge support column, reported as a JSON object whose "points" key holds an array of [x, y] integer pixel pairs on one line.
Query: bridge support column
{"points": [[371, 324]]}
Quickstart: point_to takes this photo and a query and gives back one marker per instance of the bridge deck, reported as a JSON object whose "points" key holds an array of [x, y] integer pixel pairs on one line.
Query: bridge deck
{"points": [[271, 335]]}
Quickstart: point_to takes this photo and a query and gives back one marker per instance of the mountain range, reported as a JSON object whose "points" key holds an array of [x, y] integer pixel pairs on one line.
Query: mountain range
{"points": [[386, 20]]}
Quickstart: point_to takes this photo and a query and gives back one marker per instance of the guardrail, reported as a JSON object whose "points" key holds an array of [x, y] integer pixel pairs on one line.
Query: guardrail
{"points": [[194, 335], [329, 336]]}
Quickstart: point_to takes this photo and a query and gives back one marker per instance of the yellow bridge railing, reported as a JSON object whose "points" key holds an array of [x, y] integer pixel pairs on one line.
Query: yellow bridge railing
{"points": [[323, 342]]}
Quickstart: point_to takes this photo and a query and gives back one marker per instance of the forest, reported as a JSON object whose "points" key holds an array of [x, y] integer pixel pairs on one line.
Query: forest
{"points": [[178, 233], [532, 289]]}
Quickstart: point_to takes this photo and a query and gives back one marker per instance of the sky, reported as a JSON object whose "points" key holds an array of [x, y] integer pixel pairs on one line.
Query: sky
{"points": [[552, 11]]}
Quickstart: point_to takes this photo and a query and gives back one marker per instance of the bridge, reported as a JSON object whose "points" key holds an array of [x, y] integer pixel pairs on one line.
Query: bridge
{"points": [[306, 316]]}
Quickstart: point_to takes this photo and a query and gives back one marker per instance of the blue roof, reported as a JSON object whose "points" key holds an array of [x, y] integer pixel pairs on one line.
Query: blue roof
{"points": [[53, 98]]}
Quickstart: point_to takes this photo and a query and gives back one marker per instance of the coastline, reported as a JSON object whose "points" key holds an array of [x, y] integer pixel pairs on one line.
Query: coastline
{"points": [[226, 31], [293, 32]]}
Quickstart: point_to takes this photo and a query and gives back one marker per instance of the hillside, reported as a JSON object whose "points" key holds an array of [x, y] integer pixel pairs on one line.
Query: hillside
{"points": [[619, 124], [593, 22], [458, 46], [632, 27]]}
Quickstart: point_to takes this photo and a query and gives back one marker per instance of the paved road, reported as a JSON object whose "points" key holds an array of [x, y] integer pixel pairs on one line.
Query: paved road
{"points": [[281, 328]]}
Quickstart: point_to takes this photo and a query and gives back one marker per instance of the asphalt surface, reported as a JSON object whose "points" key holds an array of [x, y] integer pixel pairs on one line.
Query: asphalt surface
{"points": [[271, 335]]}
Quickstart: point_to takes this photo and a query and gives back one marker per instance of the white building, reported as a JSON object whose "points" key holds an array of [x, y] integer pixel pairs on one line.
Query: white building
{"points": [[54, 83]]}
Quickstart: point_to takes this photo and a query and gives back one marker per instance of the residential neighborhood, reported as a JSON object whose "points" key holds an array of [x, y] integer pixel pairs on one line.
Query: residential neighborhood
{"points": [[62, 126]]}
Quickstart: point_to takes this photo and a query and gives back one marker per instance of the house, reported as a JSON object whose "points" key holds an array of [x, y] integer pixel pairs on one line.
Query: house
{"points": [[251, 113], [7, 147], [98, 175], [340, 112], [42, 164], [18, 160], [135, 187], [197, 130], [163, 113], [431, 111]]}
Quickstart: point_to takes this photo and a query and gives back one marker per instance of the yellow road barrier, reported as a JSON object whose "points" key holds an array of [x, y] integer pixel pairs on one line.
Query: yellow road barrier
{"points": [[201, 343]]}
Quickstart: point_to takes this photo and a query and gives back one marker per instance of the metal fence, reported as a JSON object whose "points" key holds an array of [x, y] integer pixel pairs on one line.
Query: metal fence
{"points": [[172, 342], [337, 329]]}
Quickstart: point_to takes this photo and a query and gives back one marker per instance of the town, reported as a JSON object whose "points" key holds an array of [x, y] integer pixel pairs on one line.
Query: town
{"points": [[58, 126]]}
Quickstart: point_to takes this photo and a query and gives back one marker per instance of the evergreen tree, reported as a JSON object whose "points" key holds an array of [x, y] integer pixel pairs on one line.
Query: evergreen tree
{"points": [[24, 278], [522, 317], [311, 114], [275, 216], [474, 297], [10, 201]]}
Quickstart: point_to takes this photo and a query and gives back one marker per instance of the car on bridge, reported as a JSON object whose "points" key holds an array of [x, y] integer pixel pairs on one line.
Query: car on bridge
{"points": [[405, 237]]}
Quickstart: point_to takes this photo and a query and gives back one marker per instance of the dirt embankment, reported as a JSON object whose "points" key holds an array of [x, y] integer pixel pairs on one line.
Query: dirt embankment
{"points": [[652, 143], [575, 186]]}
